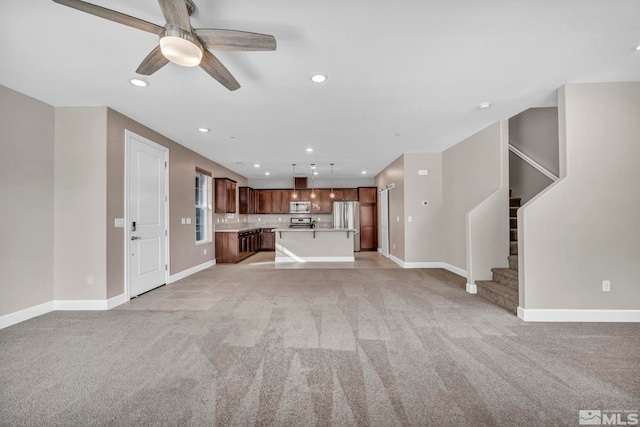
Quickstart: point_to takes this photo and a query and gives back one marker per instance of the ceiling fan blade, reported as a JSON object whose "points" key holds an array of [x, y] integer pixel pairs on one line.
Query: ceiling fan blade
{"points": [[215, 69], [112, 15], [234, 40], [152, 63], [176, 13]]}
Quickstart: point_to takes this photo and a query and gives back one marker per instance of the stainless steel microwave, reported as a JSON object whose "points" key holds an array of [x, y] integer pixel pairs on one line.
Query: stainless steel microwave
{"points": [[299, 207]]}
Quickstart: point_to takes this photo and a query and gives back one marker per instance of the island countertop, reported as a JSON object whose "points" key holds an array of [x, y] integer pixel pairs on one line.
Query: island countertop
{"points": [[315, 244]]}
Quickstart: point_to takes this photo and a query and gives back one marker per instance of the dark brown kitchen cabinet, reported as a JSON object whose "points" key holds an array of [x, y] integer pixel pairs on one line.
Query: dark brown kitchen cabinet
{"points": [[368, 197], [350, 194], [264, 201], [324, 200], [232, 247], [276, 201], [285, 198], [247, 200], [267, 240], [225, 197]]}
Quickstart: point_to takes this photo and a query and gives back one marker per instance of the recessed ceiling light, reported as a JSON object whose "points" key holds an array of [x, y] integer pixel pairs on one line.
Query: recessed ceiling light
{"points": [[203, 130], [364, 172], [319, 78], [484, 105], [315, 173], [313, 166], [139, 82], [638, 47], [267, 173], [309, 150], [257, 165]]}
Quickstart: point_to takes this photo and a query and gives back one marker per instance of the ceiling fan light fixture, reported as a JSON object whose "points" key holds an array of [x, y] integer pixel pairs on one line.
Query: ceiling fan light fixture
{"points": [[180, 47]]}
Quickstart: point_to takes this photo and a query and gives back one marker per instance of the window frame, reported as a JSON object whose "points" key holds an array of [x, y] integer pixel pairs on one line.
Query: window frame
{"points": [[204, 177]]}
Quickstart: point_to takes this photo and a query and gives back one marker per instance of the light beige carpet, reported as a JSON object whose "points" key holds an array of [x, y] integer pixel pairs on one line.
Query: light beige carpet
{"points": [[299, 347]]}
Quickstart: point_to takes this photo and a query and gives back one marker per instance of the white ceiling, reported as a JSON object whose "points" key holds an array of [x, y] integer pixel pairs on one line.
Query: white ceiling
{"points": [[404, 76]]}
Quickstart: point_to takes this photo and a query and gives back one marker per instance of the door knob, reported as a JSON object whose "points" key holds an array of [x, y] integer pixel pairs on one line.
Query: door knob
{"points": [[135, 238]]}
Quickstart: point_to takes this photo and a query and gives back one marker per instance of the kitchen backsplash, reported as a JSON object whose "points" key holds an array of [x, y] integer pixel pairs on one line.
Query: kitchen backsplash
{"points": [[268, 221]]}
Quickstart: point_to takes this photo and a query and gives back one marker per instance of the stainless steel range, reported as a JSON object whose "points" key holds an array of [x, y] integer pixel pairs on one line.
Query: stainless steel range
{"points": [[300, 222]]}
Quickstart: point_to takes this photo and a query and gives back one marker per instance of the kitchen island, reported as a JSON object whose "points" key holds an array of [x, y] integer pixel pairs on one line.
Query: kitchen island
{"points": [[314, 245]]}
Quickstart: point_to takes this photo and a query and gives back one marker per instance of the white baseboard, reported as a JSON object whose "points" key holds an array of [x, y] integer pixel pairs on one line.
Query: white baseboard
{"points": [[454, 269], [80, 304], [568, 315], [434, 264], [285, 259], [379, 250], [26, 314], [116, 301], [189, 271], [472, 288]]}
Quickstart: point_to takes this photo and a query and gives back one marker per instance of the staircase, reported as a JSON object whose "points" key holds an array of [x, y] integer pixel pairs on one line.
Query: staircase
{"points": [[503, 289]]}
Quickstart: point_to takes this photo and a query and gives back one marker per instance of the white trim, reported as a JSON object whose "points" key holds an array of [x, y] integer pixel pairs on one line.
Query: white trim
{"points": [[577, 315], [116, 301], [189, 271], [472, 288], [26, 314], [80, 305], [533, 163], [379, 250], [283, 259], [435, 264]]}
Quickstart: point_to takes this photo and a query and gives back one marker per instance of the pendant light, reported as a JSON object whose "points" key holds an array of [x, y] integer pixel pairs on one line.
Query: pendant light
{"points": [[332, 195], [295, 195], [313, 186]]}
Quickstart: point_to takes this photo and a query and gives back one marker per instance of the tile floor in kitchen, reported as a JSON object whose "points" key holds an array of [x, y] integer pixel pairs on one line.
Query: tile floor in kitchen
{"points": [[205, 289]]}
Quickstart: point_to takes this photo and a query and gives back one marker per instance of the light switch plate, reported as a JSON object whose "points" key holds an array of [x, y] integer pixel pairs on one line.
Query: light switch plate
{"points": [[118, 223], [188, 220]]}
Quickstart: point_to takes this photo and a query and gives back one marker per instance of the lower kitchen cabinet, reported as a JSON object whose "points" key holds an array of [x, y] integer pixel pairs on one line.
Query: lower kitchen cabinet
{"points": [[267, 240], [234, 246]]}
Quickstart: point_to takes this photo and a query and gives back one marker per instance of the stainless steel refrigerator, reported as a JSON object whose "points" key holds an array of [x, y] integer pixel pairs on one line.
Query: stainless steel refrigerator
{"points": [[347, 215]]}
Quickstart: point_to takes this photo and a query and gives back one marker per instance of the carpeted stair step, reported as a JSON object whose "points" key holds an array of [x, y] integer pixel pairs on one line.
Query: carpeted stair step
{"points": [[513, 212], [513, 248], [513, 262], [506, 276], [513, 222], [499, 294], [514, 202], [513, 234]]}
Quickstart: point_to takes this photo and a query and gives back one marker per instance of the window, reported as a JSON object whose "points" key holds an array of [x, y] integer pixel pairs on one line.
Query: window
{"points": [[203, 207]]}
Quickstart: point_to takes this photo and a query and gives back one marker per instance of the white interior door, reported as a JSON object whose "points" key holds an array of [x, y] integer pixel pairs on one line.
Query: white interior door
{"points": [[146, 214], [384, 222]]}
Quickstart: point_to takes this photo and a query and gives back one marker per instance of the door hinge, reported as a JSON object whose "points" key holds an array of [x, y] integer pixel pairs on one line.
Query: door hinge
{"points": [[165, 164], [165, 232], [166, 267]]}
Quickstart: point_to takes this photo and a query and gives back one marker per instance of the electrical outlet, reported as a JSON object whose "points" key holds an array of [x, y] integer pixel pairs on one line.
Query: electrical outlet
{"points": [[205, 251], [394, 246], [409, 218], [606, 286]]}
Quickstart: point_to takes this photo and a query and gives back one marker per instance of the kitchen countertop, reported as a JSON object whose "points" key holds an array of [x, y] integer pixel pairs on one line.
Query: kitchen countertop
{"points": [[239, 229], [317, 230]]}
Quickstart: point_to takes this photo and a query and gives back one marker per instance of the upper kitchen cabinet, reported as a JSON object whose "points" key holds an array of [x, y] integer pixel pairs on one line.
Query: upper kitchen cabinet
{"points": [[265, 201], [225, 198], [247, 196], [367, 194]]}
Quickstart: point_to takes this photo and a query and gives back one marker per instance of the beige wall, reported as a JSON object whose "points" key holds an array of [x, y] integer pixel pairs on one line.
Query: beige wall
{"points": [[525, 181], [471, 173], [26, 211], [423, 235], [80, 181], [394, 174], [184, 253], [535, 133], [584, 229]]}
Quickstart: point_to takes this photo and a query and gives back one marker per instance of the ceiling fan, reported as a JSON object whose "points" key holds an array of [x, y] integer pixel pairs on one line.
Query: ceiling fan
{"points": [[182, 44]]}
